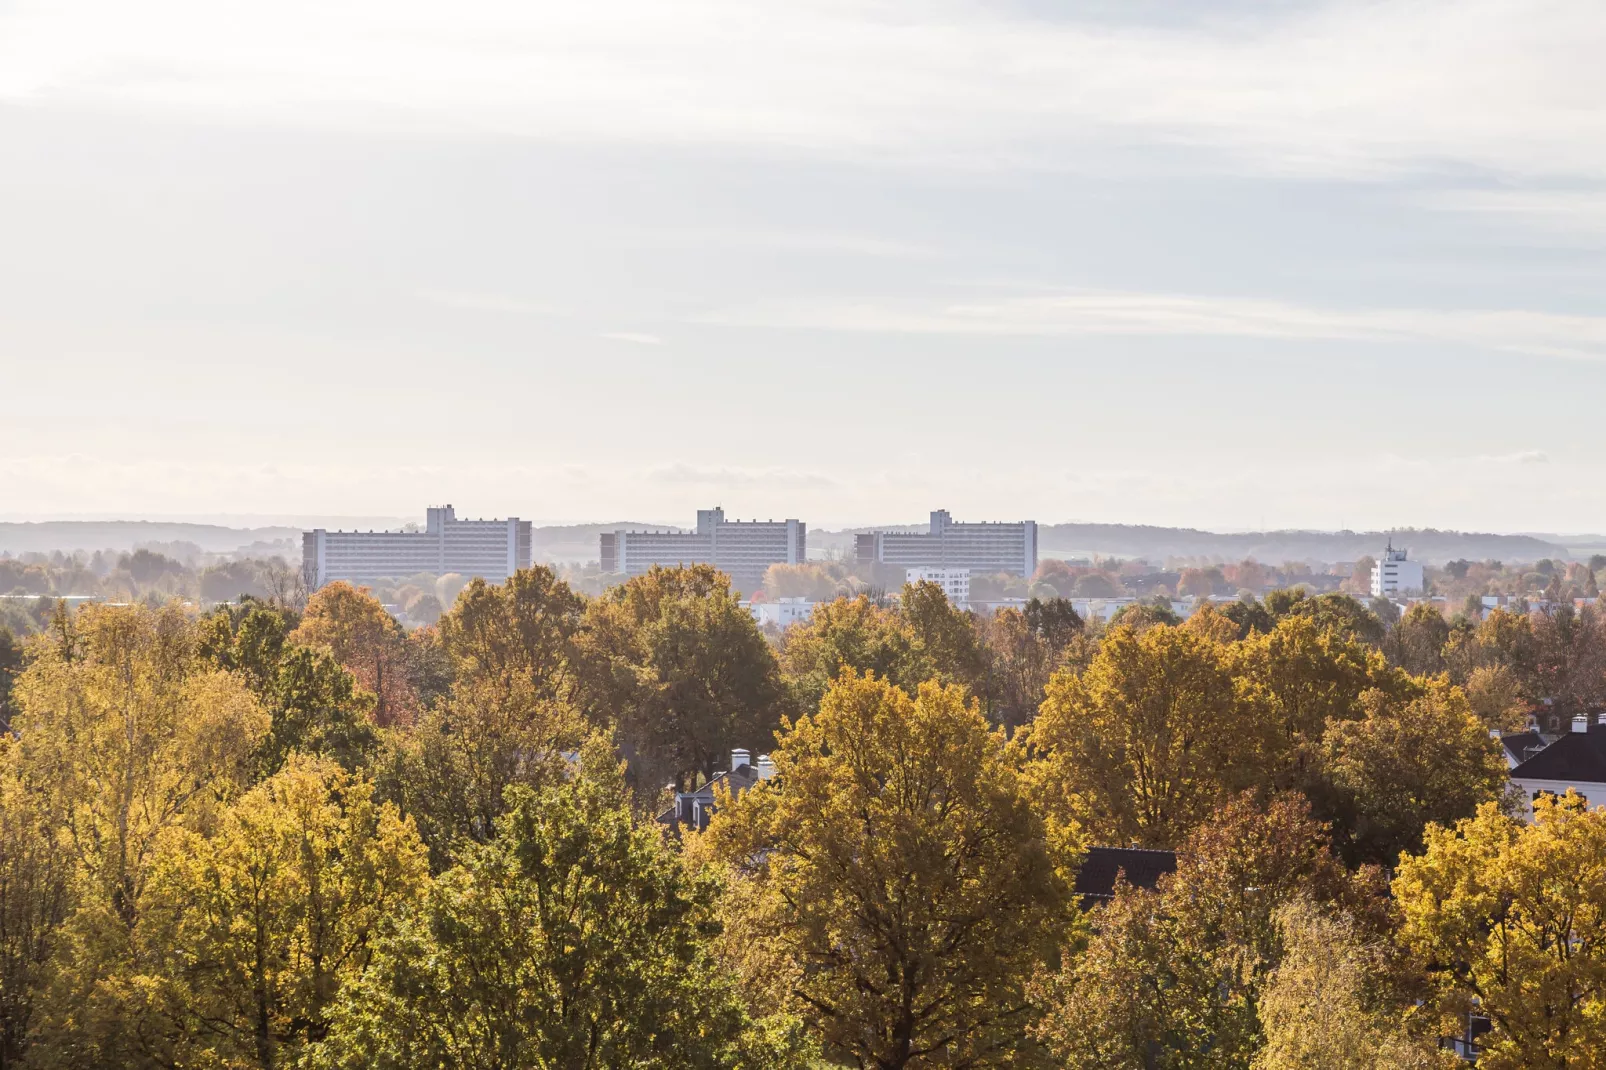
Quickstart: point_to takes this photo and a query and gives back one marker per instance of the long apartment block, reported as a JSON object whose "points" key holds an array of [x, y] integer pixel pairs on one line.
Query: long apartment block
{"points": [[742, 549], [492, 549], [949, 544]]}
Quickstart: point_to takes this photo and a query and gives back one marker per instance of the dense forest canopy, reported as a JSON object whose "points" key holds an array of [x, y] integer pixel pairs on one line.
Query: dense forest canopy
{"points": [[288, 831]]}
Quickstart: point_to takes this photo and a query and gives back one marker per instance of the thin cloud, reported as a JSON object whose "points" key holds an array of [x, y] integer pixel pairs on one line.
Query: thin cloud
{"points": [[707, 476], [1083, 312], [633, 337], [823, 243], [1569, 217], [1348, 87], [487, 302]]}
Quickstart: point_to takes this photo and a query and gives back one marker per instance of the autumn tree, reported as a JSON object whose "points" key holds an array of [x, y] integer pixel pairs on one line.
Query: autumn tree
{"points": [[1330, 1004], [681, 672], [1208, 621], [811, 581], [511, 715], [945, 635], [313, 703], [902, 882], [1570, 654], [1510, 918], [1174, 977], [1096, 585], [574, 938], [1417, 642], [247, 935], [36, 886], [1054, 621], [1145, 742], [1408, 762], [10, 665], [1141, 616], [1495, 696], [517, 634], [1299, 678], [1329, 612], [366, 640], [851, 633], [134, 734], [1020, 664], [1359, 581], [1198, 583], [1504, 639], [1249, 615], [316, 709]]}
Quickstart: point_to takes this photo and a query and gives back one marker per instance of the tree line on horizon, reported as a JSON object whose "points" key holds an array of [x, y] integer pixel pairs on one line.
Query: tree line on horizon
{"points": [[264, 836]]}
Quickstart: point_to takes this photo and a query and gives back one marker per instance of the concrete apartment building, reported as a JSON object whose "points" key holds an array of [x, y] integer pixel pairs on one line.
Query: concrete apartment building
{"points": [[492, 549], [978, 547], [742, 549], [1393, 575]]}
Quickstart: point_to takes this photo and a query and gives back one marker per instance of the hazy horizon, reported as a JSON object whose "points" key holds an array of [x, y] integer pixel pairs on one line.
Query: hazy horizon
{"points": [[304, 522], [1231, 266]]}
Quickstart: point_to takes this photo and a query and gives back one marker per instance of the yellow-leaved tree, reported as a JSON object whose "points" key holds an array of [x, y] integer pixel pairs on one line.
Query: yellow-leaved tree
{"points": [[247, 935], [1304, 677], [851, 633], [1509, 919], [1405, 765], [136, 733], [680, 672], [902, 888], [509, 719], [1330, 1005], [36, 871], [1142, 745], [130, 733]]}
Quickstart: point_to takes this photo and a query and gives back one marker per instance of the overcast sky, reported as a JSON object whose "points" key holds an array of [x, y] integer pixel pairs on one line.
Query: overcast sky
{"points": [[1220, 264]]}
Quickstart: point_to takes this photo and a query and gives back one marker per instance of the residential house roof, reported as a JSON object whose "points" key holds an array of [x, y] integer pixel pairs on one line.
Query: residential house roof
{"points": [[1577, 757], [1095, 879], [695, 808], [1520, 746]]}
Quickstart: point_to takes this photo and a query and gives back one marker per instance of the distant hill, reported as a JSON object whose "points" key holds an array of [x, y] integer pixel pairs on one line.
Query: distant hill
{"points": [[566, 542], [123, 535], [1156, 544]]}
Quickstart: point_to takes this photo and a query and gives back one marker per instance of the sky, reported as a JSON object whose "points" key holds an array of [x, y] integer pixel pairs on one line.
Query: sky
{"points": [[1229, 264]]}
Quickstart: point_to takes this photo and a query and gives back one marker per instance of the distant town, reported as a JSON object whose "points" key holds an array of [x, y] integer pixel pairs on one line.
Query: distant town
{"points": [[982, 566]]}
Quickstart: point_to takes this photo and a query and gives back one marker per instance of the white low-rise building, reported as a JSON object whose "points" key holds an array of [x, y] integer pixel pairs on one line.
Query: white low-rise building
{"points": [[1393, 575], [955, 582], [783, 613]]}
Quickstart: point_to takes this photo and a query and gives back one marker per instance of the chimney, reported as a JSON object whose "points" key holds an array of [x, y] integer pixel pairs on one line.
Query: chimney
{"points": [[739, 758], [1580, 724], [766, 765]]}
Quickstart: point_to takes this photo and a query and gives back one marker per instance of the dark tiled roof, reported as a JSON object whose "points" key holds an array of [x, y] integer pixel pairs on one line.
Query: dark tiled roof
{"points": [[1579, 757], [737, 780], [1095, 880], [1520, 746]]}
